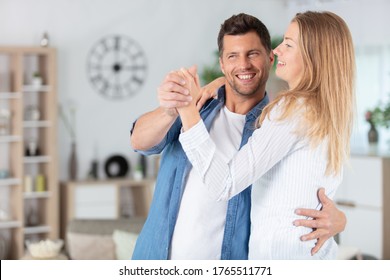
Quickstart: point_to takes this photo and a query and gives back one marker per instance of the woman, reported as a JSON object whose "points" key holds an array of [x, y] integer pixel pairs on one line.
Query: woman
{"points": [[302, 142]]}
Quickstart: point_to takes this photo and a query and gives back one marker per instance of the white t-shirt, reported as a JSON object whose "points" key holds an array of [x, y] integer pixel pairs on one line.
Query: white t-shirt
{"points": [[200, 224]]}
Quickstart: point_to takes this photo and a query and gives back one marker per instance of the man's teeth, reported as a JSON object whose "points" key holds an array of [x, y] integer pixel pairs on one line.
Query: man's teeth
{"points": [[245, 77], [281, 63]]}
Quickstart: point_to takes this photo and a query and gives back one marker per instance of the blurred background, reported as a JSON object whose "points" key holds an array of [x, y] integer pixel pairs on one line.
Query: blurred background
{"points": [[92, 110]]}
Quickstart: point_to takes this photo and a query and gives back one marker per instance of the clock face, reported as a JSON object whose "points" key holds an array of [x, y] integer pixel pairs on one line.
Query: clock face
{"points": [[116, 67]]}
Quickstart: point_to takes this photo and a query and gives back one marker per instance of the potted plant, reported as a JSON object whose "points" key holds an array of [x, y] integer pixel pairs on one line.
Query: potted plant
{"points": [[36, 79], [138, 172], [211, 72], [377, 117]]}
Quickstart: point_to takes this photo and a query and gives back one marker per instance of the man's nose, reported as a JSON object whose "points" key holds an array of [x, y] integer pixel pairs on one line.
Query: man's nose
{"points": [[244, 62]]}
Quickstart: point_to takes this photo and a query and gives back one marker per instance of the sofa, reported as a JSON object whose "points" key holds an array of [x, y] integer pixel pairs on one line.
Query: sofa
{"points": [[102, 239]]}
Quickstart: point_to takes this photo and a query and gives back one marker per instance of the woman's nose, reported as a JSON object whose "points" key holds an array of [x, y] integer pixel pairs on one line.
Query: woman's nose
{"points": [[276, 51]]}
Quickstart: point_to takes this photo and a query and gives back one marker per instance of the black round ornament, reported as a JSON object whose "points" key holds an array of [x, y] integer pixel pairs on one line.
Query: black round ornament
{"points": [[116, 166]]}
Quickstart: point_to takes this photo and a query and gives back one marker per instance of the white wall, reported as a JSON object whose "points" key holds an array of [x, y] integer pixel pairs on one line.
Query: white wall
{"points": [[369, 23], [173, 33], [368, 20]]}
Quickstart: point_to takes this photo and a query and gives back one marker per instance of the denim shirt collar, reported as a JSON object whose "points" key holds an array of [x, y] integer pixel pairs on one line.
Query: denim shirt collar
{"points": [[254, 113]]}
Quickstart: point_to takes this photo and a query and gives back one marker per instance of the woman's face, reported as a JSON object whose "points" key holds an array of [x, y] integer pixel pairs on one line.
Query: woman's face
{"points": [[290, 62]]}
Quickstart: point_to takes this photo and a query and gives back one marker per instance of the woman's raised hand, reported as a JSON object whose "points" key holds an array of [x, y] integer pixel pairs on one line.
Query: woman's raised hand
{"points": [[172, 93]]}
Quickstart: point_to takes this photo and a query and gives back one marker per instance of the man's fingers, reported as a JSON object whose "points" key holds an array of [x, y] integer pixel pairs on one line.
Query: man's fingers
{"points": [[323, 198], [318, 246], [169, 99], [309, 213], [305, 223], [173, 87], [319, 235], [175, 77], [173, 104], [325, 222], [315, 224], [313, 235], [173, 96]]}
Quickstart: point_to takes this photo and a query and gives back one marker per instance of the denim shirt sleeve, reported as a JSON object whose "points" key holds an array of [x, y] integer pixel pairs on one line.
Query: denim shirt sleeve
{"points": [[172, 134]]}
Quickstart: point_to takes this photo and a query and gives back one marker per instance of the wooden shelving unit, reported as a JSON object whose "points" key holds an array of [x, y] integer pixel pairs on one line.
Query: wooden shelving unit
{"points": [[17, 92], [104, 199]]}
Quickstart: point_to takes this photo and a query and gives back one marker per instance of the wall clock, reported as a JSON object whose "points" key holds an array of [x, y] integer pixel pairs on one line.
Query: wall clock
{"points": [[116, 67]]}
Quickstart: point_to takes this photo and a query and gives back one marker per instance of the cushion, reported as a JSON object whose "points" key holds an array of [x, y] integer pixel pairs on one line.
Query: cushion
{"points": [[124, 244], [83, 246], [104, 226]]}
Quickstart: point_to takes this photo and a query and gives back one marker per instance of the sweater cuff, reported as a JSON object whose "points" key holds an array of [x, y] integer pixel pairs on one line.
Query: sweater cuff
{"points": [[195, 136]]}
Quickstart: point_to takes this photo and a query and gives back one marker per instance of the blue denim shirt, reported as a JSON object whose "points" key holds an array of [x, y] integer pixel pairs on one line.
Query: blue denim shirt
{"points": [[156, 235]]}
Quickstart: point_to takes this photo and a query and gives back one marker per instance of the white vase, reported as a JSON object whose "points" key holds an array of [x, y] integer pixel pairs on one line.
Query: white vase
{"points": [[36, 81], [138, 175]]}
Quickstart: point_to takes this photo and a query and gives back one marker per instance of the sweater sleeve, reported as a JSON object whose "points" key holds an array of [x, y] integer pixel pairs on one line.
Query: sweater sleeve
{"points": [[267, 146]]}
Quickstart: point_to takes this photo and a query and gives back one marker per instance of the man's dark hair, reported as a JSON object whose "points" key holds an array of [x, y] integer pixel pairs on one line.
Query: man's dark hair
{"points": [[241, 24]]}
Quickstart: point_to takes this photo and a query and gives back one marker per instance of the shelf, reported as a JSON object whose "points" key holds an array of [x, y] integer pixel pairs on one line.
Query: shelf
{"points": [[34, 88], [35, 195], [37, 229], [10, 95], [34, 116], [36, 124], [36, 159], [10, 138], [10, 182], [9, 224]]}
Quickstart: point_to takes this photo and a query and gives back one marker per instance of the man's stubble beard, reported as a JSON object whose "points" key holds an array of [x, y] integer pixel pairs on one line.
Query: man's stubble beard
{"points": [[251, 93]]}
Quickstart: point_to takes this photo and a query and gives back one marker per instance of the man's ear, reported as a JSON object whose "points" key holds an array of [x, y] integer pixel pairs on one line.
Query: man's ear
{"points": [[272, 59]]}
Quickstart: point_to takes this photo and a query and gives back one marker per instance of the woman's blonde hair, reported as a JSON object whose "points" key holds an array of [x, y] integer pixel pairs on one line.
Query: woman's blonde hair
{"points": [[326, 86]]}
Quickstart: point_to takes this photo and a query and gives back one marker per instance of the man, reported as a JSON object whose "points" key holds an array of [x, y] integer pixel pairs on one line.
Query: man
{"points": [[183, 222]]}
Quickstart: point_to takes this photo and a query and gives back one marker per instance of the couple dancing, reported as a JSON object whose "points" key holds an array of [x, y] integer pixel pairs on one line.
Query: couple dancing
{"points": [[235, 175]]}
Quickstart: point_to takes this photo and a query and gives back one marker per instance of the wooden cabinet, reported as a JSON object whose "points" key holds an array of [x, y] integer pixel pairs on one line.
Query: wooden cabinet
{"points": [[28, 146], [364, 196], [105, 199]]}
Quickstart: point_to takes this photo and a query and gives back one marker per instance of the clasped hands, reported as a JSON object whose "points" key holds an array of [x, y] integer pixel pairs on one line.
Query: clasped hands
{"points": [[182, 88]]}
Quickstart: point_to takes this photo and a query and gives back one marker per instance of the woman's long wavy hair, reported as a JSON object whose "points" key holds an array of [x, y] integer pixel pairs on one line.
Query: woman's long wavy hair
{"points": [[326, 86]]}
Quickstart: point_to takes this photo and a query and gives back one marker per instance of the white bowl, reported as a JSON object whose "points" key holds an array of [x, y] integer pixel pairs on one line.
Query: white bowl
{"points": [[45, 249]]}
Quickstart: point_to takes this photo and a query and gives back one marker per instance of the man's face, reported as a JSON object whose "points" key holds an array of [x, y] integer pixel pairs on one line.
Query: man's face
{"points": [[245, 63]]}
